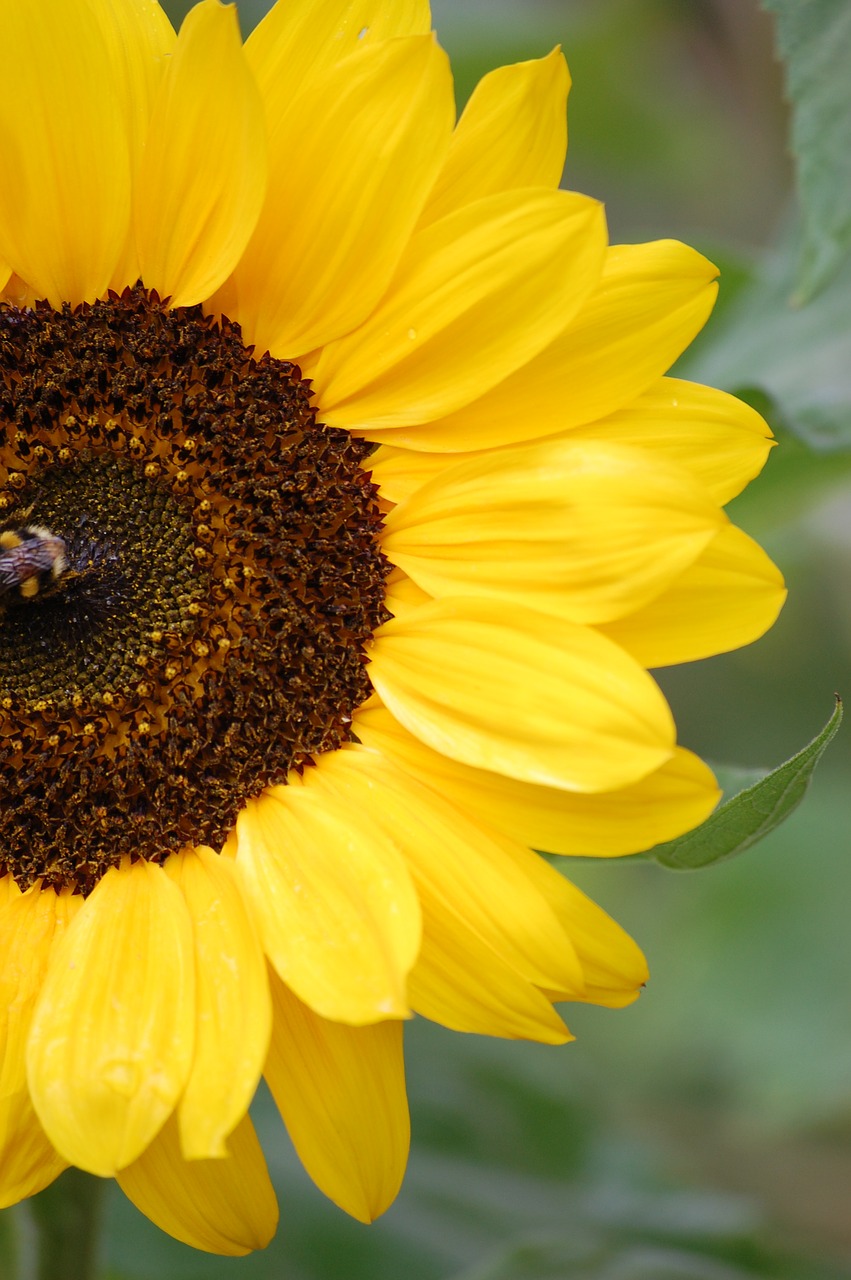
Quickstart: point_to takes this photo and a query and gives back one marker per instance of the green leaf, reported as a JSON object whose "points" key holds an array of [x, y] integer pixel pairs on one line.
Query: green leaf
{"points": [[743, 820], [814, 40]]}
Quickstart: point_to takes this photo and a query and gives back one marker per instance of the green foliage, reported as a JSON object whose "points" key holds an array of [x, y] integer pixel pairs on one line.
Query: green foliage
{"points": [[572, 1258], [66, 1220], [8, 1243], [814, 40], [752, 813], [596, 1211]]}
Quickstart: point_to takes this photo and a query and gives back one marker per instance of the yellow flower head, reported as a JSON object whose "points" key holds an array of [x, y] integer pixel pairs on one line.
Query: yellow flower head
{"points": [[343, 506]]}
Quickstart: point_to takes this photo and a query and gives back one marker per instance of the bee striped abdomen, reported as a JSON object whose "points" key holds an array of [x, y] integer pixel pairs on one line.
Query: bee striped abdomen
{"points": [[26, 556]]}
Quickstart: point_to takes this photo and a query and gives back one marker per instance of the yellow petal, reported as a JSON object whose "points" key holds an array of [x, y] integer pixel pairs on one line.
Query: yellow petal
{"points": [[729, 597], [460, 868], [647, 307], [333, 899], [400, 472], [28, 1160], [457, 938], [522, 694], [402, 594], [615, 969], [663, 805], [722, 441], [234, 1011], [9, 890], [350, 163], [476, 295], [341, 1093], [461, 983], [202, 176], [221, 1206], [30, 926], [582, 530], [18, 293], [300, 41], [65, 194], [513, 133], [140, 40], [27, 923], [112, 1035]]}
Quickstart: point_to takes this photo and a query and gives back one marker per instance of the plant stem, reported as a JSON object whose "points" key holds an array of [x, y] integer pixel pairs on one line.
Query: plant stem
{"points": [[10, 1242], [67, 1218]]}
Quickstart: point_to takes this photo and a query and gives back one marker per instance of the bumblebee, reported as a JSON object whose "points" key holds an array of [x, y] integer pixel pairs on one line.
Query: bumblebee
{"points": [[28, 556]]}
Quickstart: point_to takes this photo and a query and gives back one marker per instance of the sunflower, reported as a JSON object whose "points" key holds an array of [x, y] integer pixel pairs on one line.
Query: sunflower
{"points": [[344, 504]]}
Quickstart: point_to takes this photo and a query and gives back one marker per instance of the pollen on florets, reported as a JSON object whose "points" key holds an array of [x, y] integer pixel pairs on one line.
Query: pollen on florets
{"points": [[207, 633]]}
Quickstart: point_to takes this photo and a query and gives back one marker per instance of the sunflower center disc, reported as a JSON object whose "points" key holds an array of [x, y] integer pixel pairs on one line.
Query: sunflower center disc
{"points": [[206, 633]]}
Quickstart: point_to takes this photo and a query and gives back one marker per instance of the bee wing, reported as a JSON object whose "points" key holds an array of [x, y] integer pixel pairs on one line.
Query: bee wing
{"points": [[10, 574]]}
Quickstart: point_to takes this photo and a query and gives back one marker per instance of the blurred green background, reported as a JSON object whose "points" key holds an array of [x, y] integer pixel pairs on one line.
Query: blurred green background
{"points": [[704, 1133]]}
